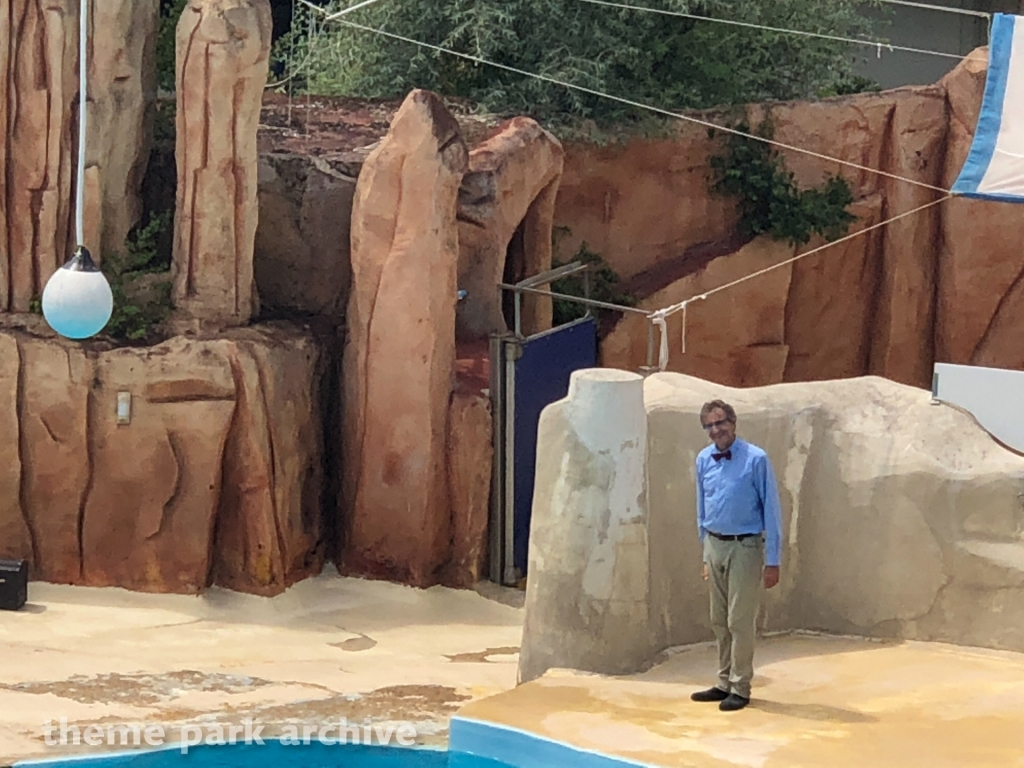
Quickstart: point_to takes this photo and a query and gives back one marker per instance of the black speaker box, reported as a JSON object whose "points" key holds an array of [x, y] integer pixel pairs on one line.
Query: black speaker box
{"points": [[13, 584]]}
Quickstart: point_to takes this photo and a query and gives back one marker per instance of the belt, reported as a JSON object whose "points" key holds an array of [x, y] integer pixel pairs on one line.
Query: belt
{"points": [[738, 537]]}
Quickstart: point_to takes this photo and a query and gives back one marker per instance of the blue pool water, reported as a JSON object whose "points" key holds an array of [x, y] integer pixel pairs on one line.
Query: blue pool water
{"points": [[472, 744], [272, 754]]}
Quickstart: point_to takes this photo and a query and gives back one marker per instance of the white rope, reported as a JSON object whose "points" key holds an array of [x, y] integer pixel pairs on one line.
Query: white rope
{"points": [[639, 105], [877, 44], [342, 12], [659, 317], [83, 104], [945, 9]]}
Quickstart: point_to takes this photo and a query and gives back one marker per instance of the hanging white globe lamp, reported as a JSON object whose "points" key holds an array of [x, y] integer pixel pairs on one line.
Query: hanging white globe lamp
{"points": [[77, 302]]}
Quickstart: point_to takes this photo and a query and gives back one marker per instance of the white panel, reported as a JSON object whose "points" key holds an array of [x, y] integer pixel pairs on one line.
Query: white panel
{"points": [[994, 396]]}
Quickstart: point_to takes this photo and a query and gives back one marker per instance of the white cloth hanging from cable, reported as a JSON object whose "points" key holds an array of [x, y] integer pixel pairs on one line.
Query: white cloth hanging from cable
{"points": [[994, 169]]}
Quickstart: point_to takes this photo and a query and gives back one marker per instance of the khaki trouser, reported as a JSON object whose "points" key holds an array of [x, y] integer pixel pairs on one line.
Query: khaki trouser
{"points": [[735, 571]]}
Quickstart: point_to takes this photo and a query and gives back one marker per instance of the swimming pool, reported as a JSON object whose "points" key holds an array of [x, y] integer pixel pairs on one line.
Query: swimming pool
{"points": [[472, 744]]}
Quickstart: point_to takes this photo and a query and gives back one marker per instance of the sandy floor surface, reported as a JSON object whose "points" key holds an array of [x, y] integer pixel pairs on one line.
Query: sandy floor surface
{"points": [[817, 701], [329, 649]]}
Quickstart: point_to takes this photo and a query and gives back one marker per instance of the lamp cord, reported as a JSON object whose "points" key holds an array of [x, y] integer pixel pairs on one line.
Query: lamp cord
{"points": [[83, 100]]}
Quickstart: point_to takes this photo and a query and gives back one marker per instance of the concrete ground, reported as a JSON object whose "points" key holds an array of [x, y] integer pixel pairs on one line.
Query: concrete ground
{"points": [[333, 648], [329, 648], [817, 701]]}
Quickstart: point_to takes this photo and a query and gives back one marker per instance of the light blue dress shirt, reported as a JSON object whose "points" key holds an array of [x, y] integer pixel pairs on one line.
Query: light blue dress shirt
{"points": [[739, 495]]}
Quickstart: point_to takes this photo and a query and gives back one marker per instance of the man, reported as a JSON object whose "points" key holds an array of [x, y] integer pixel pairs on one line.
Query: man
{"points": [[740, 527]]}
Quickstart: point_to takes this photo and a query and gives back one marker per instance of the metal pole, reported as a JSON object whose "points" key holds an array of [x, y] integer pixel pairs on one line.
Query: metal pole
{"points": [[577, 299]]}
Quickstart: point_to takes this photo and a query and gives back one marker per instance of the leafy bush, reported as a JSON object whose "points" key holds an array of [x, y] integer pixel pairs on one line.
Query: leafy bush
{"points": [[140, 282], [768, 198], [167, 24], [603, 287], [669, 62]]}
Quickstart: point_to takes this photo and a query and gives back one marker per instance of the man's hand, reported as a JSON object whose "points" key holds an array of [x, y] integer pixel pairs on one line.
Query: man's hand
{"points": [[771, 576], [704, 571]]}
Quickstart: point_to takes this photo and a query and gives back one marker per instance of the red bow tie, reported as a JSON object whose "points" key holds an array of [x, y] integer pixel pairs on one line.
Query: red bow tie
{"points": [[722, 455]]}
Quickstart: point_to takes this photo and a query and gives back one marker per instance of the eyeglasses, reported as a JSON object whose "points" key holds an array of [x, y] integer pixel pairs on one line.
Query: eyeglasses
{"points": [[715, 424]]}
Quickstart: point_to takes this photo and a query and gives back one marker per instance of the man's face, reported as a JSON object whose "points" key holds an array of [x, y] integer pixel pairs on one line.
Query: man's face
{"points": [[721, 431]]}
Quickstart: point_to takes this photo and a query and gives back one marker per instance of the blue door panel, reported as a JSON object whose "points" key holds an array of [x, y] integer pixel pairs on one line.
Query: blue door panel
{"points": [[541, 377]]}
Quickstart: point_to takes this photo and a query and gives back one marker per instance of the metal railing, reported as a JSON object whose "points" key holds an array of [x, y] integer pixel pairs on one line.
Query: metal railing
{"points": [[530, 286]]}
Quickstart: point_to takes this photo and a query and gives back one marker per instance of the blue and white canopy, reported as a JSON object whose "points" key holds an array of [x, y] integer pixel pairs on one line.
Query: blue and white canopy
{"points": [[995, 166]]}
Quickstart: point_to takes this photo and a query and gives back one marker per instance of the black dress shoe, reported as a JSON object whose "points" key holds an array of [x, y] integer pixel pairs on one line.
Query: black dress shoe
{"points": [[733, 702], [711, 694]]}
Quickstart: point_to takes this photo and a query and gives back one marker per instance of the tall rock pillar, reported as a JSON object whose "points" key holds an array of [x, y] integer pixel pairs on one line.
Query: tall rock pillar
{"points": [[223, 55], [400, 347]]}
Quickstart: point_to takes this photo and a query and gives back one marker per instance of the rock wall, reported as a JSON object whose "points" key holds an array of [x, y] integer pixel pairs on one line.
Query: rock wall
{"points": [[505, 209], [223, 55], [302, 261], [217, 478], [944, 285], [400, 347], [901, 519], [39, 124]]}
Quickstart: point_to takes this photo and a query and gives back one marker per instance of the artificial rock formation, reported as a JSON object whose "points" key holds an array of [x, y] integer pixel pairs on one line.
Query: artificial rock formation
{"points": [[506, 206], [588, 590], [901, 519], [216, 478], [470, 453], [400, 347], [39, 125], [223, 54], [301, 261], [945, 284]]}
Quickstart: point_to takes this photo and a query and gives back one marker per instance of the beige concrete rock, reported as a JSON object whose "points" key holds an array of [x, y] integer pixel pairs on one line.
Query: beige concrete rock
{"points": [[400, 347], [901, 517], [216, 478], [588, 589], [223, 53], [38, 119], [506, 205]]}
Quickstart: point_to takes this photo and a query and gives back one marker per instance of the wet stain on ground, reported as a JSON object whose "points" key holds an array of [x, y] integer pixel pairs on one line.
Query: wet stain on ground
{"points": [[139, 689], [361, 643], [427, 707], [482, 657]]}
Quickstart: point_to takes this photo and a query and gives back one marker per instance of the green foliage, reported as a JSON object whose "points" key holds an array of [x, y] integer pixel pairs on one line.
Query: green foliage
{"points": [[603, 287], [670, 62], [137, 315], [170, 12], [138, 309], [768, 198]]}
